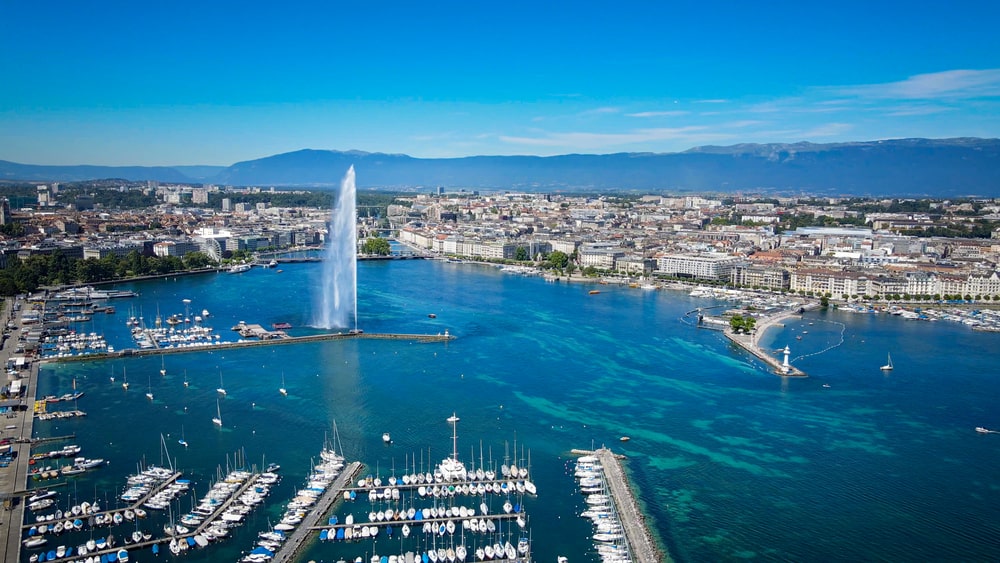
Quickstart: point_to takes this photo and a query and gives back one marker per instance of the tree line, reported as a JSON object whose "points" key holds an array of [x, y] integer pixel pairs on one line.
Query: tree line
{"points": [[28, 274]]}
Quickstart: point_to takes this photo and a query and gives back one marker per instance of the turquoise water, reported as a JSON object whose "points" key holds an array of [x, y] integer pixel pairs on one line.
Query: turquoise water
{"points": [[729, 461]]}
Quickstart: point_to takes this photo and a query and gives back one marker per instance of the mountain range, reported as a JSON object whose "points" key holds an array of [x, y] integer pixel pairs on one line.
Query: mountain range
{"points": [[901, 167]]}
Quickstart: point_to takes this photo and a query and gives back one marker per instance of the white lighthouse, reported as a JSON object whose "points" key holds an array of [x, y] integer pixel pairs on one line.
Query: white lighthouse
{"points": [[785, 367]]}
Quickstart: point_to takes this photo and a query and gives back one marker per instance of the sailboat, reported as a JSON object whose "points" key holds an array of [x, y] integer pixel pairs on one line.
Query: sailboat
{"points": [[182, 441], [163, 367], [218, 415], [887, 366], [221, 389], [124, 380], [282, 390], [149, 393], [185, 378]]}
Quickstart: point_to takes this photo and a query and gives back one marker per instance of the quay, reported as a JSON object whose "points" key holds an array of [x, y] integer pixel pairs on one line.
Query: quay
{"points": [[295, 541], [640, 542], [13, 479], [129, 352]]}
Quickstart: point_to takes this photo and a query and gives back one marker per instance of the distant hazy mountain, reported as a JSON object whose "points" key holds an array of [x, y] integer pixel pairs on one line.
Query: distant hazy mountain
{"points": [[42, 173], [938, 167]]}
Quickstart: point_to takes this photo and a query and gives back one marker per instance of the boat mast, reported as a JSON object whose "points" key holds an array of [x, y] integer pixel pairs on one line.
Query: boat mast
{"points": [[453, 419]]}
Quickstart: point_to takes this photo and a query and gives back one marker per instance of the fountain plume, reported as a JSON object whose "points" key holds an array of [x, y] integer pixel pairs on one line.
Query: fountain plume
{"points": [[337, 306]]}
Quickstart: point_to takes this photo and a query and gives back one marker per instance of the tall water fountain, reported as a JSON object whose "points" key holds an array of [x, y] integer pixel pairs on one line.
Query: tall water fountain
{"points": [[337, 300]]}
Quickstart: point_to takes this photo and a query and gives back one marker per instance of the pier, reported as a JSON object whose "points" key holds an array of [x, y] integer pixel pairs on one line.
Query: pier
{"points": [[295, 541], [640, 542]]}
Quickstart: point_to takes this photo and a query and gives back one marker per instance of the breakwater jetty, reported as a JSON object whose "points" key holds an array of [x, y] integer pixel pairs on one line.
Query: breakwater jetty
{"points": [[749, 342], [129, 352], [638, 538]]}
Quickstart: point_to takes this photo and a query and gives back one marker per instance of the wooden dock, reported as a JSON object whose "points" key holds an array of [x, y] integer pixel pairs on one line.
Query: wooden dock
{"points": [[294, 543], [641, 545]]}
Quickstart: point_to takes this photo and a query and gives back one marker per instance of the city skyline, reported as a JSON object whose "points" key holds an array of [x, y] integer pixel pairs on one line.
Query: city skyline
{"points": [[187, 84]]}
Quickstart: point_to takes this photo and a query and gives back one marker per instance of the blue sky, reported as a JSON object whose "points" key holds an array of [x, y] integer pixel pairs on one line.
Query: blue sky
{"points": [[167, 83]]}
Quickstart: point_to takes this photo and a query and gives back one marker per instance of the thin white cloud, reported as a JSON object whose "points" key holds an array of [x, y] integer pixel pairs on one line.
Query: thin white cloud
{"points": [[675, 113], [826, 130], [920, 109], [712, 101], [949, 84], [588, 140], [600, 111]]}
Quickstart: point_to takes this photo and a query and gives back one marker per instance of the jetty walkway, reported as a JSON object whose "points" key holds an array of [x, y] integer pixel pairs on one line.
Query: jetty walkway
{"points": [[641, 546], [305, 530]]}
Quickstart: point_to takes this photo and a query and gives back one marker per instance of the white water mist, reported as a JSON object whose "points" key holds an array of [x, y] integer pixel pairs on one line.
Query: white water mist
{"points": [[337, 297]]}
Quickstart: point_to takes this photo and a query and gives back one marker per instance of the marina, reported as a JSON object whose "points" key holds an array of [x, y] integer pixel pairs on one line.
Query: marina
{"points": [[691, 469]]}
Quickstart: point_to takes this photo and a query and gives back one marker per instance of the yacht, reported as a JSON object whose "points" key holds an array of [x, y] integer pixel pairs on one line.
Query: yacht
{"points": [[239, 268], [386, 438], [888, 365]]}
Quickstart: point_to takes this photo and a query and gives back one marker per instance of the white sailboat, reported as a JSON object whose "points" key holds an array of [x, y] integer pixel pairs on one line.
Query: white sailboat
{"points": [[221, 389], [149, 393], [124, 380], [282, 390], [185, 378], [888, 365], [218, 415], [182, 441], [163, 367]]}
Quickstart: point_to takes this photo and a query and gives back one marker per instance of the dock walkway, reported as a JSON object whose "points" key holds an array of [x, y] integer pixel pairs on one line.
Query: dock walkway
{"points": [[138, 504], [305, 530], [133, 547]]}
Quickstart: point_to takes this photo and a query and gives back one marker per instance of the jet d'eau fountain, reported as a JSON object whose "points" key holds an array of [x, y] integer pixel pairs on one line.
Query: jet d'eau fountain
{"points": [[337, 299]]}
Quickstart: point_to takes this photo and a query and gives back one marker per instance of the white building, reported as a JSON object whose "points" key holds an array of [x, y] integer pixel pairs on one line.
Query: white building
{"points": [[700, 266]]}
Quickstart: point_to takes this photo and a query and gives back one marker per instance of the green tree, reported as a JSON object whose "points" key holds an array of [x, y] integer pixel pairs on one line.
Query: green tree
{"points": [[377, 246], [558, 259], [194, 260], [521, 254]]}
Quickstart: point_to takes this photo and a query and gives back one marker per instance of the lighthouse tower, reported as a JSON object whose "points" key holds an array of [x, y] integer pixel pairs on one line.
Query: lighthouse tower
{"points": [[785, 367]]}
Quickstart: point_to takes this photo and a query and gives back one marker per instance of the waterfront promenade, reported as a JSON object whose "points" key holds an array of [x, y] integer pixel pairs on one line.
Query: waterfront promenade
{"points": [[18, 427]]}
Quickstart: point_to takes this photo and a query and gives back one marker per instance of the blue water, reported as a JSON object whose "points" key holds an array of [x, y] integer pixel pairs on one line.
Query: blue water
{"points": [[729, 461]]}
